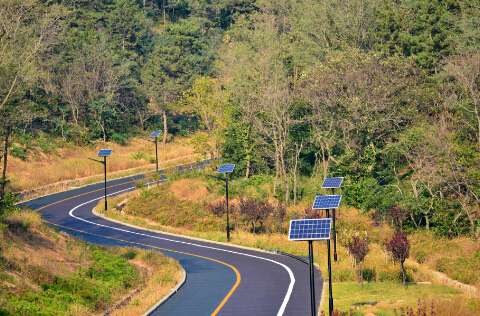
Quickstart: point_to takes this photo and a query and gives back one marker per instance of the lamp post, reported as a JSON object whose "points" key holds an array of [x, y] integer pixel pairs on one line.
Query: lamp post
{"points": [[333, 183], [104, 153], [155, 134], [327, 202], [225, 169], [308, 230]]}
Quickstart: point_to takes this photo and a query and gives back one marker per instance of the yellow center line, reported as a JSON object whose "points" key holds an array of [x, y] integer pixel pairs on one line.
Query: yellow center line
{"points": [[136, 243]]}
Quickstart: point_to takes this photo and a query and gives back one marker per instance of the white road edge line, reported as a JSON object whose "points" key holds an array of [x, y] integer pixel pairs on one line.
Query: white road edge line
{"points": [[292, 277]]}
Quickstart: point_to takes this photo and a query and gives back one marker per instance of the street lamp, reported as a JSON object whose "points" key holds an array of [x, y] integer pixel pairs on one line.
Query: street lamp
{"points": [[104, 153], [327, 202], [225, 169], [333, 183], [155, 134], [309, 230]]}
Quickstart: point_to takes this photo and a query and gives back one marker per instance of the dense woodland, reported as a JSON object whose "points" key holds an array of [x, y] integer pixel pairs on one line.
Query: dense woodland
{"points": [[385, 93]]}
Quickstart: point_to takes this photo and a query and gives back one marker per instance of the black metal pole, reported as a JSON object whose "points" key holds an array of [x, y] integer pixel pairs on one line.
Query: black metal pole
{"points": [[334, 233], [330, 298], [105, 169], [312, 276], [228, 225], [156, 153]]}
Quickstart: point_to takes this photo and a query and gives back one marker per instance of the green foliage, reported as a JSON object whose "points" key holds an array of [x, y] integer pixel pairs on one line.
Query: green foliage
{"points": [[91, 288], [19, 152], [120, 138], [138, 155], [7, 203], [422, 29], [461, 269]]}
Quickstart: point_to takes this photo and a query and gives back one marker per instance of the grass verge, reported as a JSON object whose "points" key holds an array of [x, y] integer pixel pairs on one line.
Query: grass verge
{"points": [[42, 167], [390, 299], [46, 272]]}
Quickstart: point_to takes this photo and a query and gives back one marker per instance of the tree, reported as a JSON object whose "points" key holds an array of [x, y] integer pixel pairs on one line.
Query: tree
{"points": [[207, 100], [399, 246], [260, 85], [171, 66], [421, 29], [465, 70], [218, 209], [27, 28], [127, 24], [164, 75], [359, 249], [398, 215], [249, 209]]}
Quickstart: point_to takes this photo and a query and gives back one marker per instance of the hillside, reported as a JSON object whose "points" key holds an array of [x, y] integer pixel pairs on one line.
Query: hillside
{"points": [[185, 205], [47, 272], [52, 161]]}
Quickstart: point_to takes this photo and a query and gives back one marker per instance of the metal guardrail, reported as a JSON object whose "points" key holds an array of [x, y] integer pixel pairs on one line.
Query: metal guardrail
{"points": [[300, 258]]}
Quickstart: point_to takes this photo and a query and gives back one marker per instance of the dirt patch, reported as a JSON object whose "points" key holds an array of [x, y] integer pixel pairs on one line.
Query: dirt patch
{"points": [[370, 310]]}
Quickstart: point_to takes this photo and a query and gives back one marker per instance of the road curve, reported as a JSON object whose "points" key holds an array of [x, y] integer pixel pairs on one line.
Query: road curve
{"points": [[221, 279]]}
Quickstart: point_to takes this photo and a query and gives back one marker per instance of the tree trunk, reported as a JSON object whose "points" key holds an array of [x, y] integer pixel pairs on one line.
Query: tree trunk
{"points": [[8, 131], [164, 111], [164, 19], [285, 179], [403, 273], [247, 152], [360, 274], [276, 172]]}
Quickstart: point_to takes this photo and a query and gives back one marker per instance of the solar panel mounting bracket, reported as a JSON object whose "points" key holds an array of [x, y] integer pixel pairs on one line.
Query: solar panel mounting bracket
{"points": [[102, 162], [216, 178]]}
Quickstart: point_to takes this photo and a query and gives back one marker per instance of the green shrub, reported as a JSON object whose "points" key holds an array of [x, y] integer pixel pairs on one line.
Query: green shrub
{"points": [[369, 274], [120, 138], [138, 155], [139, 184], [19, 152], [420, 255]]}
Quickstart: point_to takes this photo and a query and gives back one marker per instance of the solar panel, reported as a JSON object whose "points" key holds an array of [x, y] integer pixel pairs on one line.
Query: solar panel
{"points": [[104, 152], [310, 229], [326, 202], [155, 133], [225, 168], [332, 183]]}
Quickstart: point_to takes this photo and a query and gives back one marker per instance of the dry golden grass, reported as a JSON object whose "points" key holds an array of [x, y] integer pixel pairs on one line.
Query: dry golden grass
{"points": [[191, 189], [69, 164], [166, 276], [459, 258], [33, 253], [28, 244]]}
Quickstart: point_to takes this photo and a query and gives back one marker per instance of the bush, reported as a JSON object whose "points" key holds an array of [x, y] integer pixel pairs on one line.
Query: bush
{"points": [[19, 152], [120, 139], [138, 155]]}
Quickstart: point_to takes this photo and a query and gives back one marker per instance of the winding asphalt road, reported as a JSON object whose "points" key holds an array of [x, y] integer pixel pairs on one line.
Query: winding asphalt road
{"points": [[221, 279]]}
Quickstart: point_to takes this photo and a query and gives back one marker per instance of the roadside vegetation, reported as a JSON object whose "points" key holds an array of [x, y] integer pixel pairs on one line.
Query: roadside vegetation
{"points": [[383, 93], [60, 161], [186, 205], [47, 272]]}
